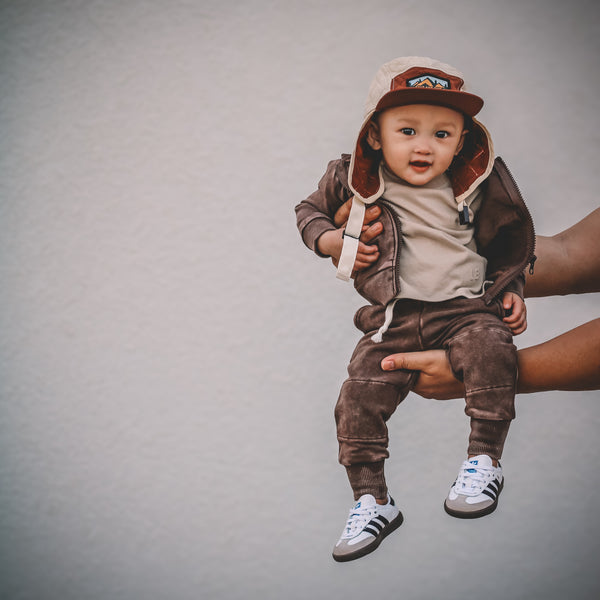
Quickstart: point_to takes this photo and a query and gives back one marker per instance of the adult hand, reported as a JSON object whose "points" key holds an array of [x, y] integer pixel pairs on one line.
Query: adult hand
{"points": [[436, 379], [570, 361]]}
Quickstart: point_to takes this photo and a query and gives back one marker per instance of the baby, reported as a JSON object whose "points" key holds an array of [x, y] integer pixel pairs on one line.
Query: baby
{"points": [[449, 274]]}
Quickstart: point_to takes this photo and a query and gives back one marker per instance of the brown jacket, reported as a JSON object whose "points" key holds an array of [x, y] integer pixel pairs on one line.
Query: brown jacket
{"points": [[503, 231]]}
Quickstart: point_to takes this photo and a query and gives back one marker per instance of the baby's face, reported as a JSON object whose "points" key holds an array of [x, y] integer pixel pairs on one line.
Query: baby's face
{"points": [[418, 141]]}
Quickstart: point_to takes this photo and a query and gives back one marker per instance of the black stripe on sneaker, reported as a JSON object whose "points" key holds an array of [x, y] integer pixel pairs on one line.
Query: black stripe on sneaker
{"points": [[373, 524], [376, 525], [493, 489]]}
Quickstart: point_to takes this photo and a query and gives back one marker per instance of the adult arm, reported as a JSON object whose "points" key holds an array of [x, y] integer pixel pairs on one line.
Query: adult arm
{"points": [[568, 262], [570, 361]]}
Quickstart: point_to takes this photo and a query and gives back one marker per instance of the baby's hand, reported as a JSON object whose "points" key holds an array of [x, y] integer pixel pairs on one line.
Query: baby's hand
{"points": [[331, 242], [517, 313]]}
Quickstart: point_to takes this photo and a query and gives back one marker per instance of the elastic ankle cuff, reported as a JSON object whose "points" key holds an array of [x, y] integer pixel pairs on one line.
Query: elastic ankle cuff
{"points": [[367, 478], [488, 437]]}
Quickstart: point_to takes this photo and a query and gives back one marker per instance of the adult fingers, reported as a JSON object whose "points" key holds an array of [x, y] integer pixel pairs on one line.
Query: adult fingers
{"points": [[341, 216], [372, 213], [371, 232]]}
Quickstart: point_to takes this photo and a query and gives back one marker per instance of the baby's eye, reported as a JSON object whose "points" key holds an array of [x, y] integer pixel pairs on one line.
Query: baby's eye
{"points": [[407, 131], [441, 134]]}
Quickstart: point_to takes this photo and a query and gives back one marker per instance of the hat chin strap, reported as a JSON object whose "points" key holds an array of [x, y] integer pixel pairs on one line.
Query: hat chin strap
{"points": [[351, 239]]}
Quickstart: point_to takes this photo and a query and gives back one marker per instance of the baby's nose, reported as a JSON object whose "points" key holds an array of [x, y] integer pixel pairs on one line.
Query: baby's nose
{"points": [[422, 146]]}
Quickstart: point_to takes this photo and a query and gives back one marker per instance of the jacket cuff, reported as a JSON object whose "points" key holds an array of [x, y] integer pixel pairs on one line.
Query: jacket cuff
{"points": [[516, 286], [313, 231]]}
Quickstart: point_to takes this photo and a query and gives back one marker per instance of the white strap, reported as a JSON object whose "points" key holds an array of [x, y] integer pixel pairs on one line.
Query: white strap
{"points": [[351, 239]]}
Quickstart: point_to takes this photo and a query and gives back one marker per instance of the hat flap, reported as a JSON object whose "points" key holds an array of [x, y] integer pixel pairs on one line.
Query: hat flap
{"points": [[408, 80]]}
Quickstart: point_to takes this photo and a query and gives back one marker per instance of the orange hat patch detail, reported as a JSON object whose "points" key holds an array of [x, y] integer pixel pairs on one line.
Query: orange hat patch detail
{"points": [[428, 81]]}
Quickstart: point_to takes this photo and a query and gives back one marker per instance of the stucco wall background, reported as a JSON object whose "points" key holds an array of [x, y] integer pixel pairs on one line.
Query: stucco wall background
{"points": [[170, 353]]}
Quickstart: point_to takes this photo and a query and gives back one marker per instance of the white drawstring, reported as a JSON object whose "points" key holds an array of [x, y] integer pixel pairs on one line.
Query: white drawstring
{"points": [[389, 314]]}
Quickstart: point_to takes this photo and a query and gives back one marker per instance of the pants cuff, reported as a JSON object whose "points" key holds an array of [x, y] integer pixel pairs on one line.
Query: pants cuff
{"points": [[367, 478], [487, 437]]}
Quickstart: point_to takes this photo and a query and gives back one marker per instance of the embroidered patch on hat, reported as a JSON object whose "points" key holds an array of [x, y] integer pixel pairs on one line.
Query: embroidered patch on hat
{"points": [[428, 81]]}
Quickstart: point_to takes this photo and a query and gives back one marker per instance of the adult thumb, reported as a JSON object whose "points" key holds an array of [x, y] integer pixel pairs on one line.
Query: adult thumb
{"points": [[410, 361]]}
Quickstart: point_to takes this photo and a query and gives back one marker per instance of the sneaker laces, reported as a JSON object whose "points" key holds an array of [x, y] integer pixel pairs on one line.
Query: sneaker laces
{"points": [[472, 479], [358, 519]]}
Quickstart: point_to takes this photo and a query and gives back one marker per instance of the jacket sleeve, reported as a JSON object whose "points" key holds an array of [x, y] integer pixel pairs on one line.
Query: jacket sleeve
{"points": [[314, 216], [517, 285], [504, 232]]}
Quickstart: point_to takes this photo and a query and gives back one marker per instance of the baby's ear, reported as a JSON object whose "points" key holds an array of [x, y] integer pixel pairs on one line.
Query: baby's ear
{"points": [[373, 137], [461, 143]]}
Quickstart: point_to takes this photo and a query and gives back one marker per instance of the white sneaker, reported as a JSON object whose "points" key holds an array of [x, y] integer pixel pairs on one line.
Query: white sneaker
{"points": [[368, 524], [476, 489]]}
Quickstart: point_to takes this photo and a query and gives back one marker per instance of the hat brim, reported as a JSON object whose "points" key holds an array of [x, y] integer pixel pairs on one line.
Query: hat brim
{"points": [[469, 104]]}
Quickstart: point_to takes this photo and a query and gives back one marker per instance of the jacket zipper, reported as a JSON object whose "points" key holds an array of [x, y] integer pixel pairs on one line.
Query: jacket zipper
{"points": [[530, 257], [396, 219]]}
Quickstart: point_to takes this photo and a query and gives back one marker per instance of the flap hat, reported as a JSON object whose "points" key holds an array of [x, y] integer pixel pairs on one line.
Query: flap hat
{"points": [[421, 80], [414, 80]]}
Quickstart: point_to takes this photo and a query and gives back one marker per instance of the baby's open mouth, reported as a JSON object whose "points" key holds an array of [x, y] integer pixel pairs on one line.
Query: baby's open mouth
{"points": [[419, 163]]}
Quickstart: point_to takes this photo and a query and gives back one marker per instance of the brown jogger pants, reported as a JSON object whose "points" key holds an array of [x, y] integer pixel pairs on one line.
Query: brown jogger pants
{"points": [[481, 353]]}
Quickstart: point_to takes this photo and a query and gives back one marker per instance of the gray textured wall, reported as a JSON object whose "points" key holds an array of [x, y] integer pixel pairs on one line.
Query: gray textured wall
{"points": [[170, 353]]}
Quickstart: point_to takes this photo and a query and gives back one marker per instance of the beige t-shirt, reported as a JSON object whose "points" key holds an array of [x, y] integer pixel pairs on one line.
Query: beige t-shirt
{"points": [[438, 259]]}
